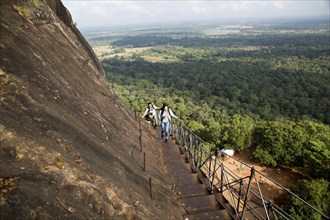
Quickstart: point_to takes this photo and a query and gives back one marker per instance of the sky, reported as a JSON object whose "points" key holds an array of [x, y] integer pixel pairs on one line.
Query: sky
{"points": [[109, 13]]}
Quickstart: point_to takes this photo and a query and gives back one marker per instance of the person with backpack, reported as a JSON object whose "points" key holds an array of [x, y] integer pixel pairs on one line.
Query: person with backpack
{"points": [[165, 114], [150, 114]]}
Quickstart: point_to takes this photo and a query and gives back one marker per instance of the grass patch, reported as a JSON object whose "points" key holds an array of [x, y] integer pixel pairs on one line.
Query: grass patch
{"points": [[24, 10], [35, 3]]}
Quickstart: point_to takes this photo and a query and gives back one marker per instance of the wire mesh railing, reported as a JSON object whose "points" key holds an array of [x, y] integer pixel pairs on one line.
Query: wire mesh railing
{"points": [[244, 193]]}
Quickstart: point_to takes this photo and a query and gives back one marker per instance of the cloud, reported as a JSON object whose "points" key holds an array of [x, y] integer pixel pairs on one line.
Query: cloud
{"points": [[279, 5], [112, 13], [199, 8], [242, 5]]}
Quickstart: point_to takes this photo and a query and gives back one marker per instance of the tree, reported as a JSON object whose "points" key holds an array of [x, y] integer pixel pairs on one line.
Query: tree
{"points": [[316, 157], [280, 141], [237, 132], [316, 193]]}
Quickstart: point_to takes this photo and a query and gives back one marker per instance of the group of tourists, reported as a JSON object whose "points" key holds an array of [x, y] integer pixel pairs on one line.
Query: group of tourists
{"points": [[163, 119]]}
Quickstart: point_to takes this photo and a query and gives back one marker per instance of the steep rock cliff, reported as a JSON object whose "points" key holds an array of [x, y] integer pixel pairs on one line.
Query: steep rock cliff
{"points": [[68, 146]]}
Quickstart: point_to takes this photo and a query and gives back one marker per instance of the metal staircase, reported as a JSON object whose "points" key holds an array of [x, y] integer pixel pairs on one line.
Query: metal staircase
{"points": [[210, 190]]}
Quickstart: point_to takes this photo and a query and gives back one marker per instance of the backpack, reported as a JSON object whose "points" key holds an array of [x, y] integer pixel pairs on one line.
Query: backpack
{"points": [[150, 114]]}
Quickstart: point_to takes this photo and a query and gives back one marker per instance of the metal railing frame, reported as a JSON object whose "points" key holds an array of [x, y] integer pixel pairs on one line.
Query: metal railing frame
{"points": [[201, 161]]}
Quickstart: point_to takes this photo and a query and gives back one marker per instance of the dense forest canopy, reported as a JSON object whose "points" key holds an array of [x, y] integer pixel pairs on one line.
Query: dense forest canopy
{"points": [[264, 87], [270, 75], [291, 87]]}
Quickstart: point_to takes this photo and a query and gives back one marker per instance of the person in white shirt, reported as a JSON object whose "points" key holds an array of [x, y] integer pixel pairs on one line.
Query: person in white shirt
{"points": [[165, 114], [150, 114]]}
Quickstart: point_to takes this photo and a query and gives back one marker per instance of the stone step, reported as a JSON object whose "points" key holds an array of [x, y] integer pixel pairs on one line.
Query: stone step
{"points": [[199, 203], [190, 187], [188, 190], [209, 215]]}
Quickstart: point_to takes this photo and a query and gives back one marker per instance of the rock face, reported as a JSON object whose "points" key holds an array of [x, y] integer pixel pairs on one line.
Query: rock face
{"points": [[69, 149]]}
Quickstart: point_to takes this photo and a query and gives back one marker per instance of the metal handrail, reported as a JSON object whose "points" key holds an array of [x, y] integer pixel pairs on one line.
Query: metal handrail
{"points": [[194, 149], [281, 186]]}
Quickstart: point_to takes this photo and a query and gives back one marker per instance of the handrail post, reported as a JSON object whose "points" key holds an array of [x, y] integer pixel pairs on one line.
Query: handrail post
{"points": [[180, 133], [222, 176], [195, 153], [140, 139], [209, 169], [140, 134], [239, 193], [198, 159], [247, 193], [200, 154], [213, 173], [150, 188]]}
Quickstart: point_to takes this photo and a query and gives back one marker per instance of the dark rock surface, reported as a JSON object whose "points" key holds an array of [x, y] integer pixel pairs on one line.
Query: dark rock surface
{"points": [[69, 149]]}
